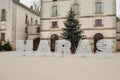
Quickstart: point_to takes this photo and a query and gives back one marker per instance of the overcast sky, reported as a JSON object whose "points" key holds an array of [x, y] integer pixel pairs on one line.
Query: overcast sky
{"points": [[30, 2], [27, 2]]}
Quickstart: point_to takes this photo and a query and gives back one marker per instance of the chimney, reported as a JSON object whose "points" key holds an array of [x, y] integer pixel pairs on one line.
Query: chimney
{"points": [[31, 7]]}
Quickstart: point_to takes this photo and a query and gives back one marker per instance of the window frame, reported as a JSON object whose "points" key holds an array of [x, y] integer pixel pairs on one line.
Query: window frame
{"points": [[37, 29], [76, 8], [2, 36], [98, 8], [98, 22], [3, 15], [54, 11], [54, 24]]}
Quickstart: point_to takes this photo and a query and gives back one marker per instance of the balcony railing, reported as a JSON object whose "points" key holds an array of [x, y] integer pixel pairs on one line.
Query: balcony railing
{"points": [[29, 23], [34, 30]]}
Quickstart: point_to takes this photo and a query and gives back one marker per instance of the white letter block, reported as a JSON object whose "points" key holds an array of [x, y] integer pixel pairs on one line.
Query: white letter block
{"points": [[43, 49], [84, 48], [24, 49], [63, 46], [106, 48]]}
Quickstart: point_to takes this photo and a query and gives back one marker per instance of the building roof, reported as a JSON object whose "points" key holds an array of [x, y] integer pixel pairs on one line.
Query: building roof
{"points": [[25, 7]]}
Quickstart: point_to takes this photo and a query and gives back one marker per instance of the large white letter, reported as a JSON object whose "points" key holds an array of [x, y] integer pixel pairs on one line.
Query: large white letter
{"points": [[63, 46], [105, 46], [44, 48], [84, 48], [24, 48]]}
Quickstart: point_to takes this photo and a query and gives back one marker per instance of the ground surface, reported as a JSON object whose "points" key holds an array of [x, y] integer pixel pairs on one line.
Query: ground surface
{"points": [[13, 67]]}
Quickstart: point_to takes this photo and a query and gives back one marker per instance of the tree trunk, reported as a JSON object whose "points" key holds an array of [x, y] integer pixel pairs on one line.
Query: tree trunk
{"points": [[73, 50]]}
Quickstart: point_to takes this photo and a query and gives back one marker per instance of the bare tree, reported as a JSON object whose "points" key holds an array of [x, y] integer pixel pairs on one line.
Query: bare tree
{"points": [[37, 6]]}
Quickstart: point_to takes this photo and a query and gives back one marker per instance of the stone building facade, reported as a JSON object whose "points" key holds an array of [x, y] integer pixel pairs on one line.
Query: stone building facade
{"points": [[97, 18], [15, 21], [118, 34]]}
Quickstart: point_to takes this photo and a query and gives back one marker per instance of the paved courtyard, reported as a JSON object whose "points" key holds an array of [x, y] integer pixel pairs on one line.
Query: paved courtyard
{"points": [[14, 67]]}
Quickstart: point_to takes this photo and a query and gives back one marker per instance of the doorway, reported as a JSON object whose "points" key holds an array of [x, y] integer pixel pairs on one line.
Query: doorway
{"points": [[97, 37], [36, 44], [53, 39]]}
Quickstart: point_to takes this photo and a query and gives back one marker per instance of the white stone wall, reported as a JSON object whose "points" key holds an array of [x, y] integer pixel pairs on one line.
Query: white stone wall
{"points": [[86, 16], [86, 7], [118, 29], [7, 5], [15, 20], [14, 26], [118, 35], [20, 21]]}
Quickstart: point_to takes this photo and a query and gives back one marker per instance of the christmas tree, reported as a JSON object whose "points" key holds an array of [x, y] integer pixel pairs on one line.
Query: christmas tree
{"points": [[72, 31]]}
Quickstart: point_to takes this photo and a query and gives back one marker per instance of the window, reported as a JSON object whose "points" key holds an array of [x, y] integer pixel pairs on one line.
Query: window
{"points": [[3, 15], [75, 8], [38, 30], [54, 11], [26, 29], [98, 22], [54, 24], [36, 22], [98, 6], [3, 36], [31, 20], [26, 19]]}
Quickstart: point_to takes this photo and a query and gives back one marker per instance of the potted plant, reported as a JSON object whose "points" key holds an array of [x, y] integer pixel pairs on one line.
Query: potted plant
{"points": [[7, 46], [1, 47]]}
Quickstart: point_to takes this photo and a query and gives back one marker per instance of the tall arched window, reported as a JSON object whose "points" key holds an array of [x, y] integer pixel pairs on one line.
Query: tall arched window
{"points": [[3, 15]]}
